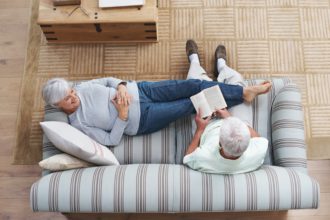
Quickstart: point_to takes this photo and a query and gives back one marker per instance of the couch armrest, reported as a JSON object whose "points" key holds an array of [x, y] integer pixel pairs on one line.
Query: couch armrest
{"points": [[287, 123]]}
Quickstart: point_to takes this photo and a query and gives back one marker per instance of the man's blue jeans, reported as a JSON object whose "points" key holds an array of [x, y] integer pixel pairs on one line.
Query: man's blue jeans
{"points": [[166, 101]]}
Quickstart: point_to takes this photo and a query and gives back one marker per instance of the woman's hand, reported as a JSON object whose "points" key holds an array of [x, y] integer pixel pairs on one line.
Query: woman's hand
{"points": [[122, 109], [200, 122], [222, 113], [122, 95]]}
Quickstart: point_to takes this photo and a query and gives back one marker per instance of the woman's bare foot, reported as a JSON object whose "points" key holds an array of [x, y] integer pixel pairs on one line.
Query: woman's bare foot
{"points": [[250, 92]]}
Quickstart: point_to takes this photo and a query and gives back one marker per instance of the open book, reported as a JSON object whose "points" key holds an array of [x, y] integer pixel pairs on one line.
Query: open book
{"points": [[120, 3], [208, 101]]}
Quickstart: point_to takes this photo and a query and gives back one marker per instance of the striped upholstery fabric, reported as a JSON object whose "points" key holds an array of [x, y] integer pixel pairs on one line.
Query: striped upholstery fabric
{"points": [[184, 136], [172, 188], [281, 184], [288, 136], [158, 147]]}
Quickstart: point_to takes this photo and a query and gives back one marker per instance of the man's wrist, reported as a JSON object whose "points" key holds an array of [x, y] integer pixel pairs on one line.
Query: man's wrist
{"points": [[200, 131]]}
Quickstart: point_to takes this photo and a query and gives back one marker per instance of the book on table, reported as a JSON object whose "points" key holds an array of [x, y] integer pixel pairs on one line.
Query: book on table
{"points": [[120, 3], [208, 100]]}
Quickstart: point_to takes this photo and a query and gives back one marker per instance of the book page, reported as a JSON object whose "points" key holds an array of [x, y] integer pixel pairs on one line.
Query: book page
{"points": [[215, 98], [199, 101]]}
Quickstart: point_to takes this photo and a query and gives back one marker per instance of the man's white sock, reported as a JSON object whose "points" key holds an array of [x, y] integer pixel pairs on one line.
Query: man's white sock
{"points": [[221, 63], [194, 58]]}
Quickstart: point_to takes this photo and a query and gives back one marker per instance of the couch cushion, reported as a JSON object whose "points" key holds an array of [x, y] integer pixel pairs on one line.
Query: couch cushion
{"points": [[72, 141], [158, 147], [63, 162]]}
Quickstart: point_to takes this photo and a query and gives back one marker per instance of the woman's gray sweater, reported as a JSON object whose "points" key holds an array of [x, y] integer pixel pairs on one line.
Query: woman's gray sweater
{"points": [[97, 116]]}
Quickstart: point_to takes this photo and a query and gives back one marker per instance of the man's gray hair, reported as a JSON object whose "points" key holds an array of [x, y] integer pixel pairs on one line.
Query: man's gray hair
{"points": [[55, 90], [234, 136]]}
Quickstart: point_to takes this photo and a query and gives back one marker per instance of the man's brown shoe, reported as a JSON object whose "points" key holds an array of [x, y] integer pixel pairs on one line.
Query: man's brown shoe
{"points": [[220, 52], [191, 48]]}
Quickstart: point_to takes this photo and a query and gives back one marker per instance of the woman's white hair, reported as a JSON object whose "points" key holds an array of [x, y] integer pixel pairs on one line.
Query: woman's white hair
{"points": [[234, 136], [55, 90]]}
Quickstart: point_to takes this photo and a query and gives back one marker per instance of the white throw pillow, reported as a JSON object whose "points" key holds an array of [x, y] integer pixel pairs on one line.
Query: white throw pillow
{"points": [[72, 141], [63, 162]]}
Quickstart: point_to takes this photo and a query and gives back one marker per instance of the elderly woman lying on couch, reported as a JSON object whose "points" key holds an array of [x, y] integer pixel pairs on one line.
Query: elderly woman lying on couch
{"points": [[107, 108]]}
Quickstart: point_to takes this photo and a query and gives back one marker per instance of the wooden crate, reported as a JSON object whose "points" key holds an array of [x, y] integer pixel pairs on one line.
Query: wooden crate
{"points": [[89, 23]]}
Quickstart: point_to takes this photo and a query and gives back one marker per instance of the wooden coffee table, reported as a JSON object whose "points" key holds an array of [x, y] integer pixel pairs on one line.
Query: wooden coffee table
{"points": [[89, 23]]}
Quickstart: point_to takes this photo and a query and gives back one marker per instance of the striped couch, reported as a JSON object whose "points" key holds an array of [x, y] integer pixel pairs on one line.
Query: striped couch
{"points": [[151, 177]]}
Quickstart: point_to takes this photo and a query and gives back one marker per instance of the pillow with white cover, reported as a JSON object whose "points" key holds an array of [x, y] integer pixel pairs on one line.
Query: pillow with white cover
{"points": [[72, 141], [63, 162]]}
